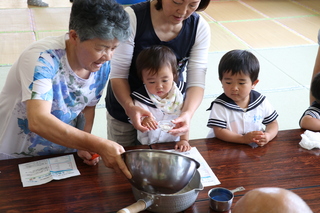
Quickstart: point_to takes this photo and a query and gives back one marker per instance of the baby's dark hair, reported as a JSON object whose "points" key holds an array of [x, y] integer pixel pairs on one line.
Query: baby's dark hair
{"points": [[155, 57], [315, 87], [239, 61]]}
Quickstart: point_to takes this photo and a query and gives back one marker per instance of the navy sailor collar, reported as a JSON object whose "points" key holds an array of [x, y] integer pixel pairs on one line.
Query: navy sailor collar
{"points": [[255, 100], [142, 96]]}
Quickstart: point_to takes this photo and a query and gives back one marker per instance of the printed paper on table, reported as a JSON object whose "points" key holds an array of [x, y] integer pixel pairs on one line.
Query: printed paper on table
{"points": [[43, 171], [208, 178]]}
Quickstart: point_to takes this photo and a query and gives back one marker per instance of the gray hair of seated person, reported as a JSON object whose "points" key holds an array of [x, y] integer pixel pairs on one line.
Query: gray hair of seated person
{"points": [[271, 200], [102, 19]]}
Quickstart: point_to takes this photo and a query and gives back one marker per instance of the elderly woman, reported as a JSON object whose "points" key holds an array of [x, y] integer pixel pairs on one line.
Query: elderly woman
{"points": [[48, 102]]}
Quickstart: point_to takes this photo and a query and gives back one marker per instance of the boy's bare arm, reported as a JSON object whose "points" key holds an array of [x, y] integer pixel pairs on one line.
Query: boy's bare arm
{"points": [[229, 136], [271, 130], [310, 123]]}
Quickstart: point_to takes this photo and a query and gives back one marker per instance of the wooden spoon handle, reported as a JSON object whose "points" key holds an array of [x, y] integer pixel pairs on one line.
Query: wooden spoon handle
{"points": [[138, 206]]}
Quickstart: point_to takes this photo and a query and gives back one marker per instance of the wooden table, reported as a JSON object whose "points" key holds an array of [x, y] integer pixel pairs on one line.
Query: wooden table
{"points": [[281, 163]]}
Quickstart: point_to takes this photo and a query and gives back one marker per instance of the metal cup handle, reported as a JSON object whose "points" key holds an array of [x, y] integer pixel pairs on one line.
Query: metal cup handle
{"points": [[239, 189]]}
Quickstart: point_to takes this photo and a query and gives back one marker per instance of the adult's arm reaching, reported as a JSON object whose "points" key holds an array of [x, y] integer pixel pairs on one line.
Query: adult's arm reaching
{"points": [[43, 123], [193, 99], [196, 74]]}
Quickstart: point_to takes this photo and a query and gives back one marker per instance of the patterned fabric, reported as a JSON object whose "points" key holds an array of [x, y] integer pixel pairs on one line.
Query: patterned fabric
{"points": [[51, 80], [171, 104]]}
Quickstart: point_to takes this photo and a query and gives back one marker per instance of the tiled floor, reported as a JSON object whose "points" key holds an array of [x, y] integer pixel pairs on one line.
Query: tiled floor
{"points": [[281, 33]]}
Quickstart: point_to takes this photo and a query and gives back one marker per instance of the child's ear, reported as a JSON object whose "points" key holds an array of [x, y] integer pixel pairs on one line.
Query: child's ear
{"points": [[255, 83]]}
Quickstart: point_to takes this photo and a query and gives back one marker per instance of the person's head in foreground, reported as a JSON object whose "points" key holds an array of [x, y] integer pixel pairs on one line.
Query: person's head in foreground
{"points": [[271, 200]]}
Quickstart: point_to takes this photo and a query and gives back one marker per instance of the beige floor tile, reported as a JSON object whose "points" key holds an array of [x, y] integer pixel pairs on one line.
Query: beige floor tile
{"points": [[23, 3], [15, 20], [224, 40], [51, 18], [58, 3], [313, 5], [13, 4], [12, 44], [305, 26], [230, 11], [280, 8], [270, 35], [41, 34]]}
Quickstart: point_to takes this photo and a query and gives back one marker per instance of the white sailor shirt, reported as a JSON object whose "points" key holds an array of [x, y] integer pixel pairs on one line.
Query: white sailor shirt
{"points": [[142, 99], [225, 113]]}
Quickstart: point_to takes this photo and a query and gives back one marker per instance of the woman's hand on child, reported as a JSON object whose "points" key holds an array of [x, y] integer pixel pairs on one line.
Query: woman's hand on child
{"points": [[183, 145], [135, 113], [150, 123]]}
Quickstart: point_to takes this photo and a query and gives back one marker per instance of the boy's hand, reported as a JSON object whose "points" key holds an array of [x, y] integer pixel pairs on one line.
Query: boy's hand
{"points": [[264, 139], [254, 136]]}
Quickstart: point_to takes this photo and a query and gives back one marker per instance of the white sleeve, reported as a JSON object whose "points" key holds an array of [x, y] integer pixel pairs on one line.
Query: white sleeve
{"points": [[218, 116], [197, 66], [122, 57]]}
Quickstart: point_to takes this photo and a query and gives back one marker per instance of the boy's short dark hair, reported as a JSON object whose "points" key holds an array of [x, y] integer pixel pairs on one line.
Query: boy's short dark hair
{"points": [[239, 61], [315, 87], [155, 57]]}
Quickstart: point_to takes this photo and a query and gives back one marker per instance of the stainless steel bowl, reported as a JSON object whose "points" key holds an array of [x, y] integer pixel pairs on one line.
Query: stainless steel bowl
{"points": [[159, 172]]}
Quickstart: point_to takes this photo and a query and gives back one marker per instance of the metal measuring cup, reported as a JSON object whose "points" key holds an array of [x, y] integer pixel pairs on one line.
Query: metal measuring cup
{"points": [[221, 198]]}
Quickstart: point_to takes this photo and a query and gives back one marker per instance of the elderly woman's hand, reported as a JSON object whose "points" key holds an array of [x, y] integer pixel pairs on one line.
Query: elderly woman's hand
{"points": [[111, 156], [88, 157]]}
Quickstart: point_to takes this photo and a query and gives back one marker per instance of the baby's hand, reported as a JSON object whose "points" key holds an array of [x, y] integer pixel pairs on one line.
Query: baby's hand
{"points": [[253, 136], [150, 123], [183, 146]]}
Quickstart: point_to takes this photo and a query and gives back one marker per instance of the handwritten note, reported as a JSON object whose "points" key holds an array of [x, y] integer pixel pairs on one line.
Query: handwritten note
{"points": [[208, 178], [43, 171]]}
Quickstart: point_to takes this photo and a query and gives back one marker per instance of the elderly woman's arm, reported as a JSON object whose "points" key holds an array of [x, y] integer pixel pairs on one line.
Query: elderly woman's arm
{"points": [[43, 123]]}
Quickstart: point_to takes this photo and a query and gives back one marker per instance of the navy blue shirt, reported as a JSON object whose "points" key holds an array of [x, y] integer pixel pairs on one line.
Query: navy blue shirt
{"points": [[146, 37]]}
